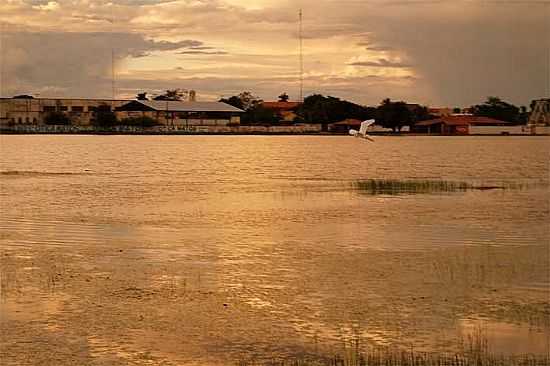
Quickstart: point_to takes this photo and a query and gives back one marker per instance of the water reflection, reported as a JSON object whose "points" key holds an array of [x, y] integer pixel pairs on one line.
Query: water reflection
{"points": [[219, 249]]}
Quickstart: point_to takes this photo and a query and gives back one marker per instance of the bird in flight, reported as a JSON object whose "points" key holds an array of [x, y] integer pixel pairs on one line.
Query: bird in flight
{"points": [[363, 130]]}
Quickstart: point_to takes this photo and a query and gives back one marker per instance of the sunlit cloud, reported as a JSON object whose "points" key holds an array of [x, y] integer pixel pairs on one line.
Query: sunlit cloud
{"points": [[437, 52]]}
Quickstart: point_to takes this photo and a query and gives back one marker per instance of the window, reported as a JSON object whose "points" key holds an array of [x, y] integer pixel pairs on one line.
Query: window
{"points": [[19, 120], [49, 108], [92, 108], [77, 108], [63, 108], [27, 120]]}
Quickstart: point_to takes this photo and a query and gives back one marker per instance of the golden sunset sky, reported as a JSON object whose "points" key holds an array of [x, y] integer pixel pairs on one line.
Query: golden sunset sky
{"points": [[435, 52]]}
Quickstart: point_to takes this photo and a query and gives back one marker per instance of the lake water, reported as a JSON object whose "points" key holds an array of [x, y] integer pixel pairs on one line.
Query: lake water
{"points": [[217, 249]]}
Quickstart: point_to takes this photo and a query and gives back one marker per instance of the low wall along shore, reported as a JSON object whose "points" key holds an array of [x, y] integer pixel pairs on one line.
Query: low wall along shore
{"points": [[237, 130], [121, 129]]}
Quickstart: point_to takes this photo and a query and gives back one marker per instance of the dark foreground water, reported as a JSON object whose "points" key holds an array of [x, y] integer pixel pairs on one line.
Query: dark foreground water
{"points": [[209, 250]]}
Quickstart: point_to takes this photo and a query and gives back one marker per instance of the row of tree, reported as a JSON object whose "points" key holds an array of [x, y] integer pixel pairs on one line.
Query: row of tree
{"points": [[496, 108], [321, 109]]}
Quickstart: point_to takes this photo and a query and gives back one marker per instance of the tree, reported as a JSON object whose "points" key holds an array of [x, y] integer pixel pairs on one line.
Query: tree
{"points": [[523, 116], [172, 94], [57, 118], [142, 96], [235, 101], [457, 110], [104, 117], [143, 121], [496, 108], [420, 113], [258, 114], [394, 115], [244, 100], [255, 113], [320, 109], [284, 97]]}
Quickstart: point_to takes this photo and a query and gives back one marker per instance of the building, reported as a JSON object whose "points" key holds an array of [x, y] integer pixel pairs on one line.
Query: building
{"points": [[539, 120], [33, 111], [83, 112], [182, 114], [467, 125], [285, 110], [345, 125]]}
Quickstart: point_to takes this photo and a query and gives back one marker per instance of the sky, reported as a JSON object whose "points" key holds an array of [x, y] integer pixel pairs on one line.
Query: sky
{"points": [[434, 52]]}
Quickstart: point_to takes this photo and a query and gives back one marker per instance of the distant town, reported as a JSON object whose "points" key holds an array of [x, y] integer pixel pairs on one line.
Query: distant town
{"points": [[177, 111]]}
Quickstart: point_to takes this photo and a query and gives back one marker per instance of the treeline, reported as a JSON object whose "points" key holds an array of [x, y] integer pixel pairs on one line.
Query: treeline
{"points": [[321, 109]]}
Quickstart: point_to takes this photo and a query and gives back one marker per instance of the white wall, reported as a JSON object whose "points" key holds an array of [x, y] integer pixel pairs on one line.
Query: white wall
{"points": [[498, 130]]}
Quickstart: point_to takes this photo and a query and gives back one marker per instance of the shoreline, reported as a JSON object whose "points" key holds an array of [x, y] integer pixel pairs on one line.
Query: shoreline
{"points": [[243, 133]]}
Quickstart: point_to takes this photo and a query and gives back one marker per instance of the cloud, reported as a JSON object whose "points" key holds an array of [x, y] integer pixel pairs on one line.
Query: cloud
{"points": [[200, 52], [442, 52], [381, 62], [79, 63], [49, 6]]}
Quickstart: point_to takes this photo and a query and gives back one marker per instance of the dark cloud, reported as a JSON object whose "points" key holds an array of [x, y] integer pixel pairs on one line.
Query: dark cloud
{"points": [[79, 63], [486, 50]]}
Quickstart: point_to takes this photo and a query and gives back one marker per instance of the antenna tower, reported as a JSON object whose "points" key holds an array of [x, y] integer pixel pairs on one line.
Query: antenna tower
{"points": [[2, 53], [113, 73], [300, 35]]}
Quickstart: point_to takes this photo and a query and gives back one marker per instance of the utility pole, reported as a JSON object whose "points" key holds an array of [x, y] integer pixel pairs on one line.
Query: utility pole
{"points": [[3, 113], [1, 59], [300, 35], [113, 73]]}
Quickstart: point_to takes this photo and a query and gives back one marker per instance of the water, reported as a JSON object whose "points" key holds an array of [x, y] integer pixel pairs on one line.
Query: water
{"points": [[214, 249]]}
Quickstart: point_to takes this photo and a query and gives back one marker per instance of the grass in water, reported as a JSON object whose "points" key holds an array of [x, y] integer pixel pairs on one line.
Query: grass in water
{"points": [[396, 357], [474, 351], [417, 186]]}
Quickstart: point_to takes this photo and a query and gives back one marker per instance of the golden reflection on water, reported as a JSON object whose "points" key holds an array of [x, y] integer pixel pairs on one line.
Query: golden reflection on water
{"points": [[178, 249]]}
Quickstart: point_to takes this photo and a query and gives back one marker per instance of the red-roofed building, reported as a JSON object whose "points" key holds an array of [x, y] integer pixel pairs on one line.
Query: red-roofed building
{"points": [[285, 110], [460, 125], [345, 125]]}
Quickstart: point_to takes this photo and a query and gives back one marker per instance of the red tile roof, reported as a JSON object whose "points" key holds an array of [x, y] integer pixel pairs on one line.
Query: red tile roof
{"points": [[462, 120], [349, 122], [282, 106]]}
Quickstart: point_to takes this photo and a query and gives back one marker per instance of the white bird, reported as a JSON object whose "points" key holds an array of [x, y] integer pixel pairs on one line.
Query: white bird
{"points": [[363, 130]]}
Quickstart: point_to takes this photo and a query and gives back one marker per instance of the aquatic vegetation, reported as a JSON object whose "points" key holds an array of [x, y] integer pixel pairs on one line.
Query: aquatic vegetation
{"points": [[474, 351], [419, 186], [395, 357]]}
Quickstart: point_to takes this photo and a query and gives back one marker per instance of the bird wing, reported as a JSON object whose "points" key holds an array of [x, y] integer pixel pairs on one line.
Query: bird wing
{"points": [[365, 125]]}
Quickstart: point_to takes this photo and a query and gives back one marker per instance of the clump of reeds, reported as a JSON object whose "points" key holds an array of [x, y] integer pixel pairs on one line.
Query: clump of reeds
{"points": [[388, 357], [417, 186], [398, 186], [475, 351]]}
